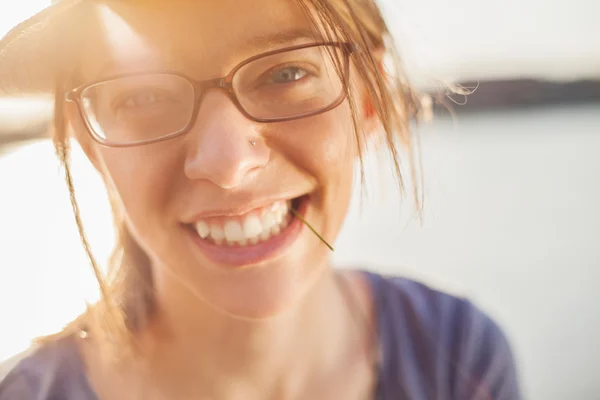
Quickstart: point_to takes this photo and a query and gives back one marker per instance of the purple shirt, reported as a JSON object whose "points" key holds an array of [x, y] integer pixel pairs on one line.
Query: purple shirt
{"points": [[434, 346]]}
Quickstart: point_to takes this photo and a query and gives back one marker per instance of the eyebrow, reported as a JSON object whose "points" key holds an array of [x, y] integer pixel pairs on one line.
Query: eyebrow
{"points": [[269, 40], [261, 43]]}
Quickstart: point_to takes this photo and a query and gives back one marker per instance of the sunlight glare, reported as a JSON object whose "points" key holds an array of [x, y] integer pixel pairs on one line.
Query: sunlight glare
{"points": [[19, 11], [46, 278]]}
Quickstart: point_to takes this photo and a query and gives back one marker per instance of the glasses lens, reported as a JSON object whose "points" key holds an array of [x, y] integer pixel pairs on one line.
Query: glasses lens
{"points": [[137, 108], [290, 83]]}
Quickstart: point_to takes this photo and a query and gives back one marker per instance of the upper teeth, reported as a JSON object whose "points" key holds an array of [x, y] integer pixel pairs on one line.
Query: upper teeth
{"points": [[252, 227]]}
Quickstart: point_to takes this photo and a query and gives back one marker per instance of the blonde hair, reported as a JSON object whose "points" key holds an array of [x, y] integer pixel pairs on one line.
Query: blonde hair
{"points": [[127, 291]]}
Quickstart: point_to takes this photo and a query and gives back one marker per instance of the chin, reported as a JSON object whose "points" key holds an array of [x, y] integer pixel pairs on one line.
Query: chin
{"points": [[271, 288]]}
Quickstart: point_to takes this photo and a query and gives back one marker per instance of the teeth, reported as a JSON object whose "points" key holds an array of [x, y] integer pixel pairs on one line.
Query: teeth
{"points": [[285, 209], [250, 229], [276, 230], [217, 233], [264, 235], [268, 221], [203, 229], [233, 231], [252, 226]]}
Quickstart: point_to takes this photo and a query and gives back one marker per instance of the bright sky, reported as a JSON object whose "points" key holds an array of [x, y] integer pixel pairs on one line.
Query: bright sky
{"points": [[461, 39]]}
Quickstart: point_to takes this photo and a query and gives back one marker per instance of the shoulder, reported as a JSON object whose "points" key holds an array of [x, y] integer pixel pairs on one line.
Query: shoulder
{"points": [[433, 310], [444, 338], [51, 371]]}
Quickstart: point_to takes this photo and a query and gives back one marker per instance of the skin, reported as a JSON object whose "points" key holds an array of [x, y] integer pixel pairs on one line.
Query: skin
{"points": [[280, 329]]}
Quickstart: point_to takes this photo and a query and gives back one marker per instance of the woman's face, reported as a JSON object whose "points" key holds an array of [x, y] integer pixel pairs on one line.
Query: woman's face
{"points": [[210, 207]]}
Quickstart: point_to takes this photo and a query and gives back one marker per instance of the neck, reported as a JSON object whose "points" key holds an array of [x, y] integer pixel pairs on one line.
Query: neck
{"points": [[197, 347]]}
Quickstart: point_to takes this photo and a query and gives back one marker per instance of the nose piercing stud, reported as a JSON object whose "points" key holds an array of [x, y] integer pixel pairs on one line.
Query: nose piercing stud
{"points": [[253, 142]]}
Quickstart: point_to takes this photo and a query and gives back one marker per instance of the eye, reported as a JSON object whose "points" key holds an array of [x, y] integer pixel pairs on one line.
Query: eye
{"points": [[142, 98], [288, 74]]}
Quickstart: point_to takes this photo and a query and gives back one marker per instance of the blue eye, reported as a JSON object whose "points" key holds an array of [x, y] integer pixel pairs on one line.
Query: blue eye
{"points": [[288, 75]]}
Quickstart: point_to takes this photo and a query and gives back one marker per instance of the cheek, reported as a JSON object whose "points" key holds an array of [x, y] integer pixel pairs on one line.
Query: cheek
{"points": [[142, 179], [323, 146], [338, 152]]}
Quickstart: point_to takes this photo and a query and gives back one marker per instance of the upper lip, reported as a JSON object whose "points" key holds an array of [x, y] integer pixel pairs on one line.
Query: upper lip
{"points": [[237, 210]]}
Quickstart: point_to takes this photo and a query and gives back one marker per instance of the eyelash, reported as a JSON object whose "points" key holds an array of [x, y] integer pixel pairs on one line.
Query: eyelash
{"points": [[130, 96], [267, 76]]}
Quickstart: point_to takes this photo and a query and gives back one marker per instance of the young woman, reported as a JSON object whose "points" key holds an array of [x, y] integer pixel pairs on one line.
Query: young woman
{"points": [[227, 134]]}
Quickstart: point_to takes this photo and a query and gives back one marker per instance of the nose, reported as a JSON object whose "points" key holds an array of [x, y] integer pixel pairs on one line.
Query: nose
{"points": [[225, 147]]}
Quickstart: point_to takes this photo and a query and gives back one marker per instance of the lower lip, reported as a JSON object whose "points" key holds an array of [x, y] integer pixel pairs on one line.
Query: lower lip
{"points": [[241, 256]]}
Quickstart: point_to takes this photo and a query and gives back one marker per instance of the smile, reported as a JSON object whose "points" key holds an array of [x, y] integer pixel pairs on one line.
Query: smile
{"points": [[256, 226], [251, 238]]}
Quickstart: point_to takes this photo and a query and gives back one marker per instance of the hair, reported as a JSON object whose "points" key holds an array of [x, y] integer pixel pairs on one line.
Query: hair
{"points": [[127, 299]]}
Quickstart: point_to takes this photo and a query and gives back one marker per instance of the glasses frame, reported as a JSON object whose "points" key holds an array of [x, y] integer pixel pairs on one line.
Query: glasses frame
{"points": [[225, 83]]}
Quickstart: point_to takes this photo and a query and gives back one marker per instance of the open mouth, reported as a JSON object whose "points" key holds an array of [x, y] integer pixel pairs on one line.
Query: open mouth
{"points": [[256, 227]]}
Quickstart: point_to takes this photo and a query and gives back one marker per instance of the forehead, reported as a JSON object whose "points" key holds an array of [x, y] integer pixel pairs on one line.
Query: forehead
{"points": [[206, 36]]}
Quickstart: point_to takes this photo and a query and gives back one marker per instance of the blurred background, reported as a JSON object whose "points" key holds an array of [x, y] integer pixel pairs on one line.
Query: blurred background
{"points": [[512, 190]]}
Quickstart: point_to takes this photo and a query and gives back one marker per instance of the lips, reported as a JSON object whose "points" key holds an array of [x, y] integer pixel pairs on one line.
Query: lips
{"points": [[251, 238]]}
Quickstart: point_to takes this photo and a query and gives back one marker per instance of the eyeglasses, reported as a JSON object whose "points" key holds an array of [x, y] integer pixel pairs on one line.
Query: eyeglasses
{"points": [[281, 85]]}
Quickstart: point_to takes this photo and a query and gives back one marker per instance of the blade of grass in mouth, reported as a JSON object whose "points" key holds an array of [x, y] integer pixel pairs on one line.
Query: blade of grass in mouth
{"points": [[312, 229]]}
